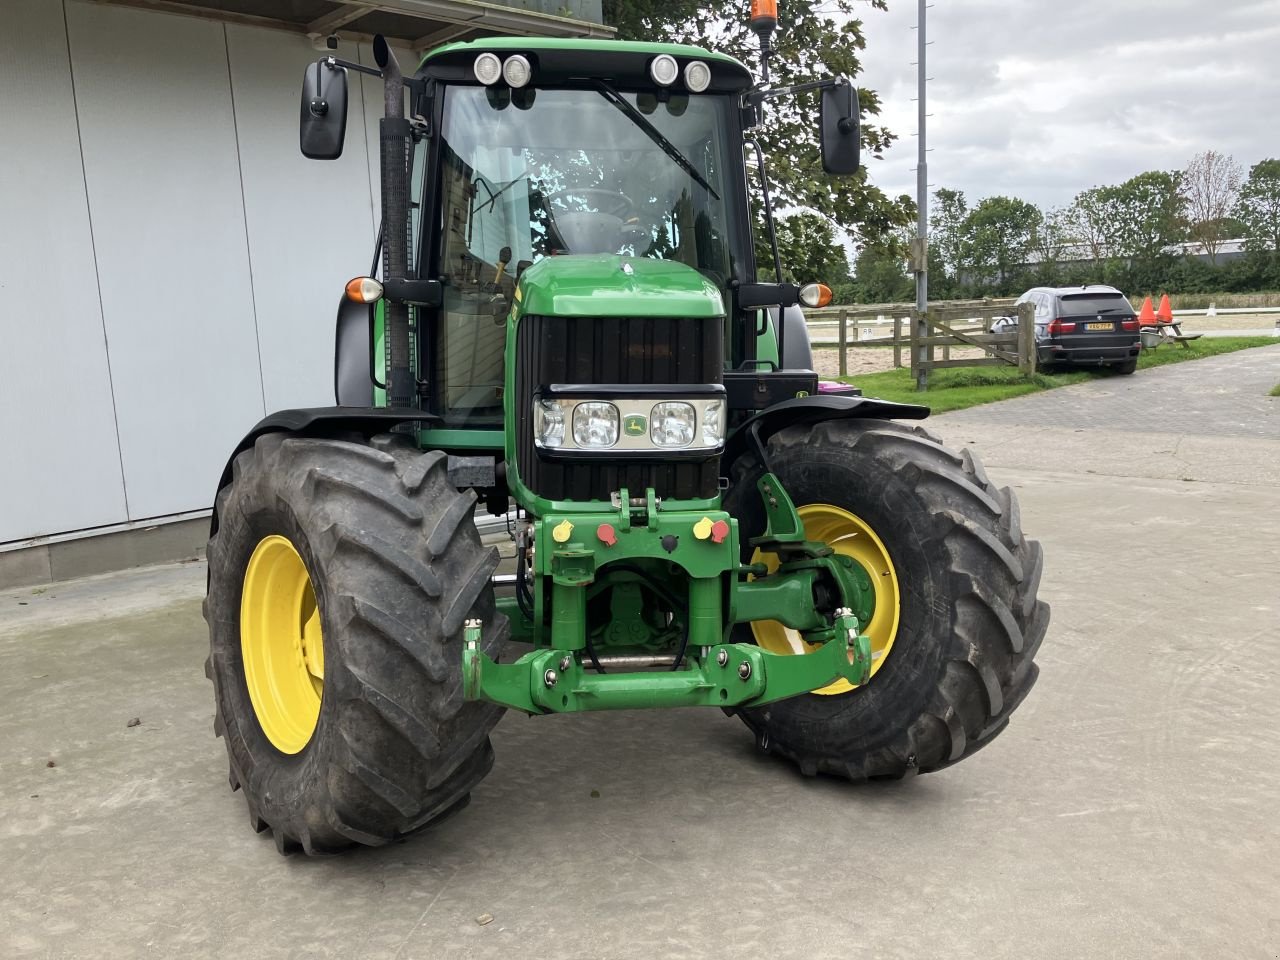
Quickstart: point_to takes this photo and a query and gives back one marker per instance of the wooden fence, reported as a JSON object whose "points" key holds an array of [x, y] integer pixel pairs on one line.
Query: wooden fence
{"points": [[946, 324]]}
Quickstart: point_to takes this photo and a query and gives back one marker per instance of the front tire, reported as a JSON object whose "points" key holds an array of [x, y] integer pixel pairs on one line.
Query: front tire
{"points": [[968, 626], [350, 568]]}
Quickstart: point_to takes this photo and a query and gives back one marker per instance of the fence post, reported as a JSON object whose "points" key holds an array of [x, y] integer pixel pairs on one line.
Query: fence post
{"points": [[1026, 339], [844, 343], [897, 341]]}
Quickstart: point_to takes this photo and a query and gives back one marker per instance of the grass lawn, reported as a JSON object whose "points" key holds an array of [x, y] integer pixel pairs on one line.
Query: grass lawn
{"points": [[957, 388]]}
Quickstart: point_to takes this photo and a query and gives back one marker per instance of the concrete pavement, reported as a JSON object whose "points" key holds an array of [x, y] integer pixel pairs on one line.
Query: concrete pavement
{"points": [[1129, 810]]}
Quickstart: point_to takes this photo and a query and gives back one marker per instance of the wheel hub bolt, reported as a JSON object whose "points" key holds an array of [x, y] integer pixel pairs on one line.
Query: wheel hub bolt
{"points": [[565, 663], [722, 657], [744, 669], [550, 678]]}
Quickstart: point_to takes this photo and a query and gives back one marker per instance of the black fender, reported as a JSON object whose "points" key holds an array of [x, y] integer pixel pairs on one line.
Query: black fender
{"points": [[320, 422], [809, 410], [799, 351], [353, 354]]}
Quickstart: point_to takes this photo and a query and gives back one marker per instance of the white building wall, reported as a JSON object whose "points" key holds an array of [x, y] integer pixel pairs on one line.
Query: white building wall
{"points": [[188, 270], [59, 458]]}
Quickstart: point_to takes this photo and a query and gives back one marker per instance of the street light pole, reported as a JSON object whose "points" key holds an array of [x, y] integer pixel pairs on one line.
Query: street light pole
{"points": [[922, 214]]}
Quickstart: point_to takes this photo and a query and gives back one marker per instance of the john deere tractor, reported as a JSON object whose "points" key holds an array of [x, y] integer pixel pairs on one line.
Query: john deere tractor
{"points": [[564, 326]]}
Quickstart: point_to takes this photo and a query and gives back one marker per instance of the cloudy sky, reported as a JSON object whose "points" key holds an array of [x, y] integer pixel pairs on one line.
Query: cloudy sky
{"points": [[1040, 98]]}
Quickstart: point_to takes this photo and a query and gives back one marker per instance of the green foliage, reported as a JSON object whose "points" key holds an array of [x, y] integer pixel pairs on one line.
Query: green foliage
{"points": [[1145, 214], [947, 233], [880, 276], [810, 251], [814, 39], [1115, 234], [1258, 208], [998, 236]]}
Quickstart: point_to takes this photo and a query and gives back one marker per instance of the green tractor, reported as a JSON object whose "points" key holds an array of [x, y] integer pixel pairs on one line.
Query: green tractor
{"points": [[567, 329]]}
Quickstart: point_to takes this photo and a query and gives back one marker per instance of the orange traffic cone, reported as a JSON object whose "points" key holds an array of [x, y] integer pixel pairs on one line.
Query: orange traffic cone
{"points": [[1147, 315], [1165, 313]]}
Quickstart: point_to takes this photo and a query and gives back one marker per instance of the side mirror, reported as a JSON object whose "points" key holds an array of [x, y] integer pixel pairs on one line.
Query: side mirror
{"points": [[841, 136], [322, 124]]}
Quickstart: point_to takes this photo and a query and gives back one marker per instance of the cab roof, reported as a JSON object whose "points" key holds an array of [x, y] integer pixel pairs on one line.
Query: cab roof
{"points": [[557, 59]]}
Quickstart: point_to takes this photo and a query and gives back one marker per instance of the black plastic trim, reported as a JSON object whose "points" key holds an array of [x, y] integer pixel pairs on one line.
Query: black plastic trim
{"points": [[763, 389], [815, 409], [606, 391], [624, 457]]}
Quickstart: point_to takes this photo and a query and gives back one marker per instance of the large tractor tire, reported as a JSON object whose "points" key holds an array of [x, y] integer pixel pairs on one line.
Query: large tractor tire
{"points": [[340, 578], [956, 623]]}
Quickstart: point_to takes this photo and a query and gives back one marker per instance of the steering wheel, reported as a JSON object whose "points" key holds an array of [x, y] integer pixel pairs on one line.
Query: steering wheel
{"points": [[610, 202]]}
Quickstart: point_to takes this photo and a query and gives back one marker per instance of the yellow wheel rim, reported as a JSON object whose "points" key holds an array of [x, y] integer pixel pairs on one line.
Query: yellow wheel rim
{"points": [[281, 644], [851, 536]]}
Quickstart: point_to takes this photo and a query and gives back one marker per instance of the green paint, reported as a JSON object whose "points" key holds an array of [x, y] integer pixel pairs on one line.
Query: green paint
{"points": [[534, 44], [609, 285], [783, 522], [446, 439], [555, 681], [379, 353], [562, 560]]}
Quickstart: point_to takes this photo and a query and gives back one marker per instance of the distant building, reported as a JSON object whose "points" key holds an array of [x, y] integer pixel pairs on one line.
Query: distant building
{"points": [[1228, 250]]}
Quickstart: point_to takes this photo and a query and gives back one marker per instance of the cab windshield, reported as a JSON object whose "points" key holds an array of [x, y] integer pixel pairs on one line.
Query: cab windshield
{"points": [[530, 173]]}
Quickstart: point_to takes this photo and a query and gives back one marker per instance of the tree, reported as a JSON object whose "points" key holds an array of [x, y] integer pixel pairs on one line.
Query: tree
{"points": [[999, 236], [1089, 219], [1144, 215], [1051, 240], [1210, 186], [1051, 236], [880, 276], [813, 40], [1258, 208], [947, 230], [810, 251]]}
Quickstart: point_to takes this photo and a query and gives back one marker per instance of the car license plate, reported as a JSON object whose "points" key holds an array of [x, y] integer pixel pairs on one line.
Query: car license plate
{"points": [[1097, 326]]}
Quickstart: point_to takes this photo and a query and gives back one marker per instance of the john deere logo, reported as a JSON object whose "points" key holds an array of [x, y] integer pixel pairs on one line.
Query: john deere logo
{"points": [[634, 425]]}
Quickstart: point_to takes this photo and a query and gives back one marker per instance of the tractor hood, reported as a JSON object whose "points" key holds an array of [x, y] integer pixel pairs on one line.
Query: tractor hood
{"points": [[608, 285]]}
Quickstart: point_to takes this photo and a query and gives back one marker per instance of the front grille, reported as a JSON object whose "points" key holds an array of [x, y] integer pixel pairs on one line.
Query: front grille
{"points": [[624, 350]]}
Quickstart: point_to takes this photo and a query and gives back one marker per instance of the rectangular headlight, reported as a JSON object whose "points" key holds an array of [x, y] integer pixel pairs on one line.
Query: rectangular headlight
{"points": [[672, 423], [651, 421], [595, 424]]}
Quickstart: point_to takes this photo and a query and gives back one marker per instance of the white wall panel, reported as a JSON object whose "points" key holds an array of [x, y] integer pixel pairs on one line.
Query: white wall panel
{"points": [[311, 222], [60, 469], [164, 191]]}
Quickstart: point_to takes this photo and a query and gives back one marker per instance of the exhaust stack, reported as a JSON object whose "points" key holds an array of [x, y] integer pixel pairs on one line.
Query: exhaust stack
{"points": [[393, 138]]}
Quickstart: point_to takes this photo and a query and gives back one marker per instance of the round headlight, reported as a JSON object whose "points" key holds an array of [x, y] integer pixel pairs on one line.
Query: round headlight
{"points": [[516, 71], [487, 68], [595, 424], [672, 424], [697, 76], [664, 69], [548, 423]]}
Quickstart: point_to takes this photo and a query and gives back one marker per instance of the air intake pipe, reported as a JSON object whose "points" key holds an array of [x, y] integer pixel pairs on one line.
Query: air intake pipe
{"points": [[394, 139]]}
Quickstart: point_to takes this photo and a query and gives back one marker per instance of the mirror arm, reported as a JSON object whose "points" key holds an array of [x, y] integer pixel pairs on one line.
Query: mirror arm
{"points": [[413, 83], [333, 63], [756, 97]]}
